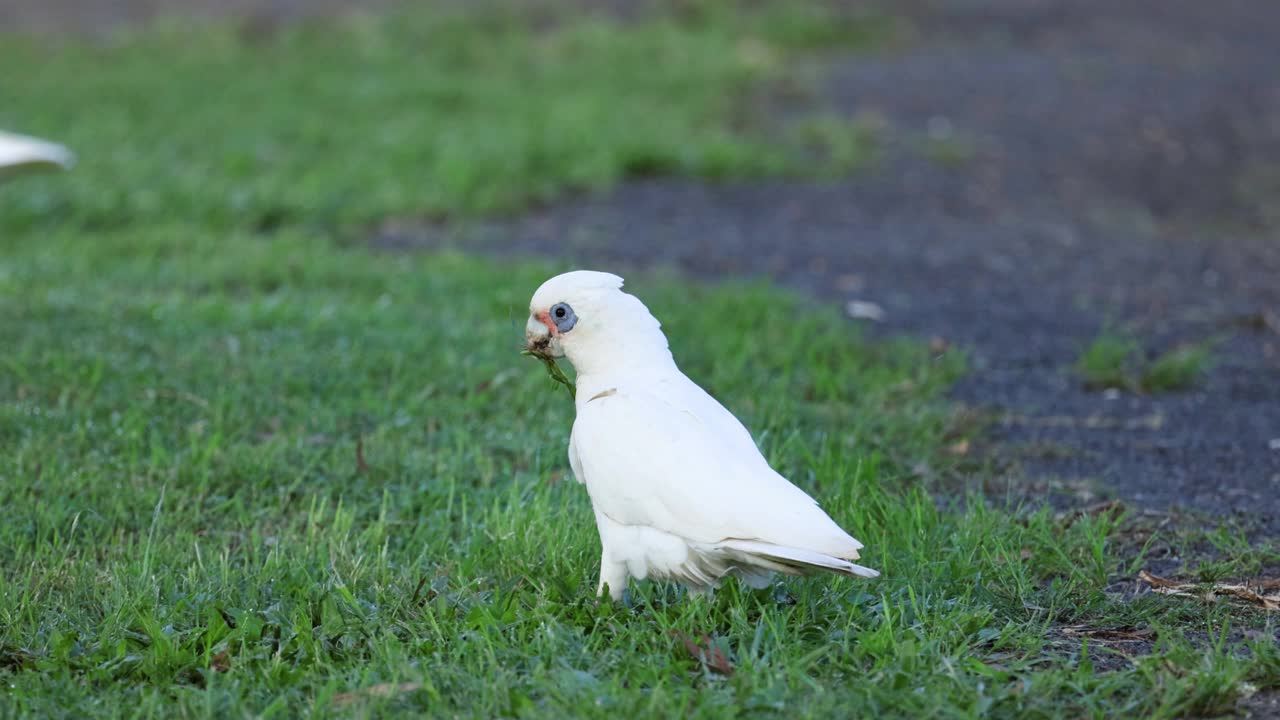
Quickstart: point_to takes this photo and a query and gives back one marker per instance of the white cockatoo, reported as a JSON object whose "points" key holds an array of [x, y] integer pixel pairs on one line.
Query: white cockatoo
{"points": [[679, 488], [19, 154]]}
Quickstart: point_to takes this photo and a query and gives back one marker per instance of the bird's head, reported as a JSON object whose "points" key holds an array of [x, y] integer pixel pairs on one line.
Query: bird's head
{"points": [[584, 315]]}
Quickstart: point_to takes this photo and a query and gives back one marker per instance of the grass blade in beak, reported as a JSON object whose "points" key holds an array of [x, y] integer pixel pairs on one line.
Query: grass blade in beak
{"points": [[555, 372]]}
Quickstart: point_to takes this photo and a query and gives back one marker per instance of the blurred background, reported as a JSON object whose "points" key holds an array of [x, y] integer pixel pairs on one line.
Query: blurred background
{"points": [[1082, 194], [996, 280]]}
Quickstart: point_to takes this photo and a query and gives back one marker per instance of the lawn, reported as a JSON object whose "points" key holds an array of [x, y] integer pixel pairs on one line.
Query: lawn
{"points": [[254, 468]]}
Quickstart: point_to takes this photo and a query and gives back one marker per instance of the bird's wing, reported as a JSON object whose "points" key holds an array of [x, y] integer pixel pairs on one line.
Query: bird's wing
{"points": [[574, 463], [648, 462]]}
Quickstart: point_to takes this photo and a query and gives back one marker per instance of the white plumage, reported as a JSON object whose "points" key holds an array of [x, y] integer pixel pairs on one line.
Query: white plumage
{"points": [[19, 153], [679, 488]]}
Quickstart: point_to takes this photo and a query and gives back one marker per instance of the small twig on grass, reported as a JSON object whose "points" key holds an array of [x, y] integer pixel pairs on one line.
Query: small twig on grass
{"points": [[361, 466], [1125, 633], [1214, 591], [706, 652]]}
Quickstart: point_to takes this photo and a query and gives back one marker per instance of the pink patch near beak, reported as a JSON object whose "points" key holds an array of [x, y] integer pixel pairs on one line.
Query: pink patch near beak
{"points": [[545, 319]]}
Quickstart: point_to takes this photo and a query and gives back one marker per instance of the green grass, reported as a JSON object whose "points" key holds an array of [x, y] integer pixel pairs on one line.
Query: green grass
{"points": [[1116, 360], [950, 150], [423, 113], [1177, 369], [194, 531], [1109, 361], [251, 471]]}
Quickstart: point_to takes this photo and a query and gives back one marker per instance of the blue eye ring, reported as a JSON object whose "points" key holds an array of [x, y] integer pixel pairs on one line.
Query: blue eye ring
{"points": [[563, 317]]}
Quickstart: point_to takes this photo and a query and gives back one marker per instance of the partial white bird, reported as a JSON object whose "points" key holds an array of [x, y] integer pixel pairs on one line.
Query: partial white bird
{"points": [[679, 488], [19, 154]]}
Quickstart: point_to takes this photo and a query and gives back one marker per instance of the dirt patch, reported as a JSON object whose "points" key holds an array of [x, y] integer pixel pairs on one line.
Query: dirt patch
{"points": [[1265, 704]]}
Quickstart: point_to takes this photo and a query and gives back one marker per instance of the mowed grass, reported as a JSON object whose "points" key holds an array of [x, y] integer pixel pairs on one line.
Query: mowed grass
{"points": [[268, 476], [252, 471], [434, 113]]}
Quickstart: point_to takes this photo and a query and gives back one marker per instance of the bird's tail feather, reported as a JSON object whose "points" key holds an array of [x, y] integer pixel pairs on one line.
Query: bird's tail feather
{"points": [[794, 561], [19, 151]]}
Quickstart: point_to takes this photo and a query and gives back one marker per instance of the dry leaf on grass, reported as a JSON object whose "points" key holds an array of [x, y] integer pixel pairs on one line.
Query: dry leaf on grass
{"points": [[380, 690], [1158, 583], [1268, 602], [1213, 591], [706, 652], [1115, 634], [220, 662]]}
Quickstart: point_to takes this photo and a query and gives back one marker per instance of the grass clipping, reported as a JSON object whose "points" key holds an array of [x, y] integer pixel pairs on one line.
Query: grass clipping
{"points": [[555, 372]]}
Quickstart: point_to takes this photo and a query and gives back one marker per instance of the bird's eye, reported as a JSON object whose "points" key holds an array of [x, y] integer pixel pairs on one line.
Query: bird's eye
{"points": [[564, 317]]}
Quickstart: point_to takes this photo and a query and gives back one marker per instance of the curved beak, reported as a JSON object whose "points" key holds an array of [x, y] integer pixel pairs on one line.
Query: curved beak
{"points": [[539, 337]]}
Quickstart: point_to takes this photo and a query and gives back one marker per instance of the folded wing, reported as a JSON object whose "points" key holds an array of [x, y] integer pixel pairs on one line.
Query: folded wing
{"points": [[652, 462]]}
